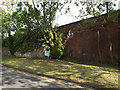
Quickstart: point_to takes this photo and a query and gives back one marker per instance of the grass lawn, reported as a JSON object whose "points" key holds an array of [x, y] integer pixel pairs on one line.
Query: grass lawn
{"points": [[68, 70]]}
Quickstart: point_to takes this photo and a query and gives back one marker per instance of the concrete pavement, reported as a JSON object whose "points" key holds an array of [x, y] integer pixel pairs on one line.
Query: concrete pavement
{"points": [[14, 79]]}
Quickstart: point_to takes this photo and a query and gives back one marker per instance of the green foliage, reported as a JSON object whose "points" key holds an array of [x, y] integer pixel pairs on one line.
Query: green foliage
{"points": [[56, 53], [27, 42], [90, 21], [113, 15], [12, 43], [94, 8], [5, 42], [57, 50], [118, 27]]}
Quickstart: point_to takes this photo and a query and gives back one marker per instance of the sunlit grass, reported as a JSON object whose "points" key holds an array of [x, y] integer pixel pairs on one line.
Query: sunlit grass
{"points": [[68, 70]]}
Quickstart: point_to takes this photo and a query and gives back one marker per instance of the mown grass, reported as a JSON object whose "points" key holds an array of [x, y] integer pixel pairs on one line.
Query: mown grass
{"points": [[106, 76]]}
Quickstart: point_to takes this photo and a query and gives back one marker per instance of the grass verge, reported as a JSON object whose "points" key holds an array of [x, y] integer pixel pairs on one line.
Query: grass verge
{"points": [[106, 76]]}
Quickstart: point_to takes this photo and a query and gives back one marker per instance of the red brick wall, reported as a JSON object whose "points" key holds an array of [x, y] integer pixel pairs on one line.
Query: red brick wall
{"points": [[85, 44]]}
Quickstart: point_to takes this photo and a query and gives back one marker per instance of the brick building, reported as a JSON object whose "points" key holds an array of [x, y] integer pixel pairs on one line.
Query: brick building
{"points": [[93, 37]]}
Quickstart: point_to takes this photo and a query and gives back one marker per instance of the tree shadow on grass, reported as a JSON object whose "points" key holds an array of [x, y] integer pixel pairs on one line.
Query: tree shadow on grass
{"points": [[93, 63], [73, 70]]}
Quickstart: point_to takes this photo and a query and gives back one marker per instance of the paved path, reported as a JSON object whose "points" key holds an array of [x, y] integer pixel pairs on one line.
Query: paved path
{"points": [[13, 79]]}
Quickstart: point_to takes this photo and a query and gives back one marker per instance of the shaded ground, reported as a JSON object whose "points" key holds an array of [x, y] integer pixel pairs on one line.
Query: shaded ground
{"points": [[106, 76], [12, 79]]}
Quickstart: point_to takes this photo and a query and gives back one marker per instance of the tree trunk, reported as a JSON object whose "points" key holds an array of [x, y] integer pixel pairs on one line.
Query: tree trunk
{"points": [[107, 8], [45, 23], [109, 36], [110, 48], [50, 18], [42, 30], [11, 46], [99, 52]]}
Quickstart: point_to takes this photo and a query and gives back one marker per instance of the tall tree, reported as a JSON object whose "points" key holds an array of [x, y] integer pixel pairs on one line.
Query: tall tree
{"points": [[39, 16], [8, 25]]}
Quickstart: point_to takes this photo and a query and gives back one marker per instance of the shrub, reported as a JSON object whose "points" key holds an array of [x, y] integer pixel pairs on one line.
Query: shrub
{"points": [[56, 53]]}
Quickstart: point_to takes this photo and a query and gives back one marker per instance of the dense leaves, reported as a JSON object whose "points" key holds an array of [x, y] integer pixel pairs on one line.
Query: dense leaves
{"points": [[56, 53]]}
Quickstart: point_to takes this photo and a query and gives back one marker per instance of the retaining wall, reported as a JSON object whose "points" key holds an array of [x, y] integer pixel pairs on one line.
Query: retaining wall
{"points": [[37, 53]]}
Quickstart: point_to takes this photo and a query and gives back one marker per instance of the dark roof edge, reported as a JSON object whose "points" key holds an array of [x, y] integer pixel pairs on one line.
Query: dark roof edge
{"points": [[85, 19]]}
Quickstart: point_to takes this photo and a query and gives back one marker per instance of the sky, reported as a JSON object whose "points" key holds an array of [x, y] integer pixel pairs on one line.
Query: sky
{"points": [[70, 17]]}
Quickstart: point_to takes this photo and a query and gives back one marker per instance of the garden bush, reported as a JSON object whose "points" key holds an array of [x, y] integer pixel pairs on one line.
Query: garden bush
{"points": [[56, 53]]}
